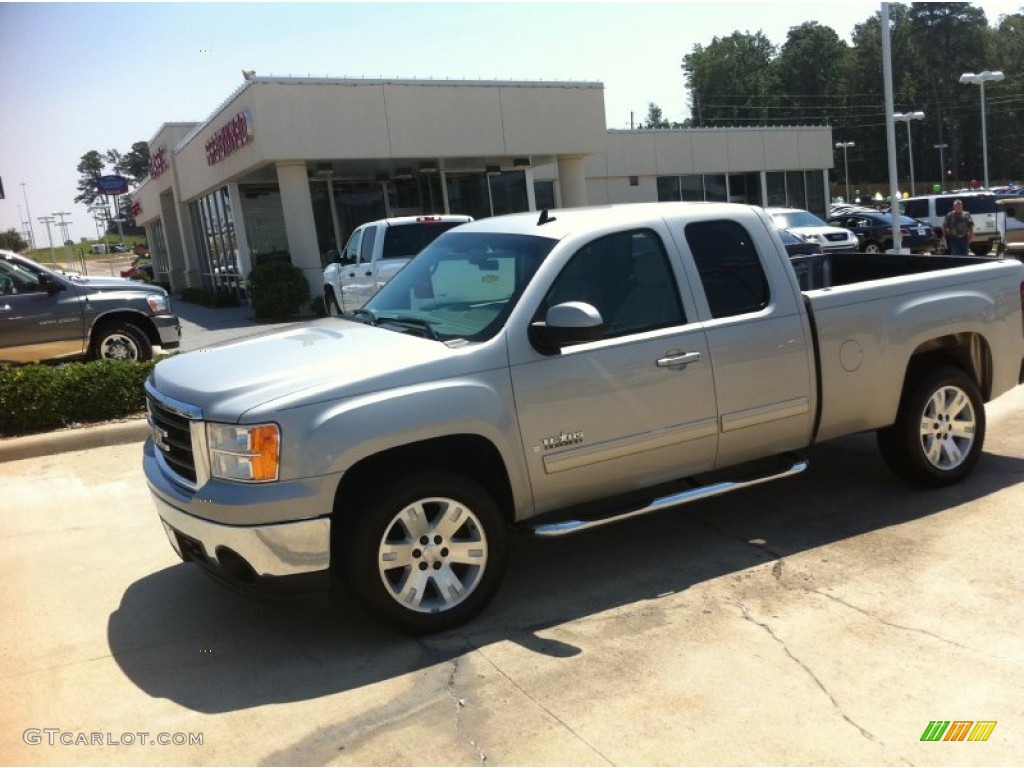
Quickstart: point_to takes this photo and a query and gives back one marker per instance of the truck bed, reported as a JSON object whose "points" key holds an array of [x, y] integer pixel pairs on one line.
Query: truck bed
{"points": [[834, 269]]}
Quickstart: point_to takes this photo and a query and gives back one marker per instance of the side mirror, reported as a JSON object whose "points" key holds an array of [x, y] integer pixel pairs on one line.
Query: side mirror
{"points": [[573, 322], [50, 285]]}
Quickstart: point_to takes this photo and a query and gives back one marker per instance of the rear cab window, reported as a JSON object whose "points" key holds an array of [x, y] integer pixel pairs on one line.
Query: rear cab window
{"points": [[730, 269], [402, 241]]}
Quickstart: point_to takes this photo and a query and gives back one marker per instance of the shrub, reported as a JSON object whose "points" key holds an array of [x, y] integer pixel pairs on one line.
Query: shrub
{"points": [[39, 397], [278, 290], [205, 298]]}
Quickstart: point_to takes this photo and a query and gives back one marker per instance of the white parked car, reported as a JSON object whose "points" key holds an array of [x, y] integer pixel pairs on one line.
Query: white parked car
{"points": [[808, 226]]}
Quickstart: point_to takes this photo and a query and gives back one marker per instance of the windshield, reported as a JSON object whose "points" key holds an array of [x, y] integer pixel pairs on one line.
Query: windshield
{"points": [[462, 286], [791, 219]]}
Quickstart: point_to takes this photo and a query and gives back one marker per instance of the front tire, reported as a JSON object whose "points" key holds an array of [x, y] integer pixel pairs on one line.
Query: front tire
{"points": [[121, 341], [426, 554], [939, 431], [333, 310], [872, 247]]}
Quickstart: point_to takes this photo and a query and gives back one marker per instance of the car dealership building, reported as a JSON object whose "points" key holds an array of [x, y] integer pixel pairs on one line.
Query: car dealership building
{"points": [[287, 167]]}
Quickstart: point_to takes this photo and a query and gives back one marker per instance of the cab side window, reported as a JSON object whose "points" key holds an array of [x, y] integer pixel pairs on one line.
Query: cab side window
{"points": [[627, 278], [366, 251], [15, 280], [730, 270]]}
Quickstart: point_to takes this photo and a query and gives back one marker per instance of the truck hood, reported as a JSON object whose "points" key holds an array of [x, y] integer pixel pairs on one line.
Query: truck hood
{"points": [[321, 360], [90, 284]]}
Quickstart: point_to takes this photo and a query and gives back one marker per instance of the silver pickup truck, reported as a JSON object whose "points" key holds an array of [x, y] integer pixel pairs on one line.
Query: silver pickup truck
{"points": [[558, 371]]}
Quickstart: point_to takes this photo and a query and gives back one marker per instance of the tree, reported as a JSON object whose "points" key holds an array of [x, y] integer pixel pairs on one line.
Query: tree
{"points": [[12, 240], [654, 117], [809, 71], [731, 82], [90, 168], [134, 165]]}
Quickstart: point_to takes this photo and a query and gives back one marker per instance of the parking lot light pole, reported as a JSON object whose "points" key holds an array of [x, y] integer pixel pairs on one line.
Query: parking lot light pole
{"points": [[845, 145], [969, 78], [942, 163], [906, 117]]}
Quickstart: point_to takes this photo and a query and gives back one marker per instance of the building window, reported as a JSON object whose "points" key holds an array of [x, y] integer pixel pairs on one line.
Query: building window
{"points": [[213, 231], [668, 189], [508, 192], [544, 194], [158, 249]]}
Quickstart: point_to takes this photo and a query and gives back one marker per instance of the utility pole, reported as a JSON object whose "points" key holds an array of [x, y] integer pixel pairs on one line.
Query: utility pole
{"points": [[28, 213], [64, 230], [48, 220]]}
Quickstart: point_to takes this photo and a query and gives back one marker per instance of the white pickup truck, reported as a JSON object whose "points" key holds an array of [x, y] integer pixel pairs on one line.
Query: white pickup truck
{"points": [[374, 253], [558, 371]]}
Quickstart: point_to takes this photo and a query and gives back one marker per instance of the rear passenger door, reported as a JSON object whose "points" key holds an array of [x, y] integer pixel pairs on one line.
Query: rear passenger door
{"points": [[758, 339]]}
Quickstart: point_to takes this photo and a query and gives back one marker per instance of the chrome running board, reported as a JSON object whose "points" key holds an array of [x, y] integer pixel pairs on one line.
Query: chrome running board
{"points": [[793, 465]]}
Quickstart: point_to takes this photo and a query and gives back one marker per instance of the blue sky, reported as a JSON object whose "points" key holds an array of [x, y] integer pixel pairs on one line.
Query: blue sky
{"points": [[81, 76]]}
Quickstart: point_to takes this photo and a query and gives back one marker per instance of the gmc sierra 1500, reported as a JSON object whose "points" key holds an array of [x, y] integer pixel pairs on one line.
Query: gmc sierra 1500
{"points": [[557, 371]]}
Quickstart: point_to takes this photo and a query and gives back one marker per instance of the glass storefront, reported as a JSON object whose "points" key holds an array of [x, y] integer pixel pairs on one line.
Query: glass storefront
{"points": [[797, 189], [213, 233]]}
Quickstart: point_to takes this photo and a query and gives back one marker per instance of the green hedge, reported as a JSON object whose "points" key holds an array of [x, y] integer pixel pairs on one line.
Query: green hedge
{"points": [[279, 290], [205, 298], [38, 398]]}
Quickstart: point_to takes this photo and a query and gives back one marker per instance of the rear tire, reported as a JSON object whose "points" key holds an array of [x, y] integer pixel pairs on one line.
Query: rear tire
{"points": [[939, 431], [426, 553]]}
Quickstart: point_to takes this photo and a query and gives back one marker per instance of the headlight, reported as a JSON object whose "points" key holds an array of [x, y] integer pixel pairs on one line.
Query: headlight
{"points": [[246, 453], [159, 303]]}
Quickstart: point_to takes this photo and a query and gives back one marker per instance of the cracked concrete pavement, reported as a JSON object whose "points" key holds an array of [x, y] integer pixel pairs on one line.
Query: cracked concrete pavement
{"points": [[822, 620]]}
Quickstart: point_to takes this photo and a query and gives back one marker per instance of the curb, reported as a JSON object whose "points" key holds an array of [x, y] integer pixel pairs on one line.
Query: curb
{"points": [[78, 439]]}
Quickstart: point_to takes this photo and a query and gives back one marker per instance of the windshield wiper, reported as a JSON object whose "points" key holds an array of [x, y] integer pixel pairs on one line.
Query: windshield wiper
{"points": [[367, 316], [413, 322]]}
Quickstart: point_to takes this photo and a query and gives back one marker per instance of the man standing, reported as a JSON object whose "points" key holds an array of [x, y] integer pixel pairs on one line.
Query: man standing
{"points": [[958, 229]]}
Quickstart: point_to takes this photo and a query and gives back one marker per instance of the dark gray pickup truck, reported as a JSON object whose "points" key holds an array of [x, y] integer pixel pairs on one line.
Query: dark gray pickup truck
{"points": [[45, 315]]}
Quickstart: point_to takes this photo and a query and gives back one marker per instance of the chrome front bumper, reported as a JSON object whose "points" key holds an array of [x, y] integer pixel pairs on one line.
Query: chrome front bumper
{"points": [[284, 549]]}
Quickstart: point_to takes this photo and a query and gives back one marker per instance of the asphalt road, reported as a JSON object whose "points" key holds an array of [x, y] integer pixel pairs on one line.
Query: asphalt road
{"points": [[826, 619]]}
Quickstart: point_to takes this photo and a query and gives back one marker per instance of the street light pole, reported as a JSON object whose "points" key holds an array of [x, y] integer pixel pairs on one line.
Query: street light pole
{"points": [[942, 163], [845, 145], [28, 214], [969, 78], [906, 117]]}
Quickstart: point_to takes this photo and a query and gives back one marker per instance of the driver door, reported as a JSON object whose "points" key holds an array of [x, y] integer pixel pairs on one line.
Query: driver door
{"points": [[632, 409]]}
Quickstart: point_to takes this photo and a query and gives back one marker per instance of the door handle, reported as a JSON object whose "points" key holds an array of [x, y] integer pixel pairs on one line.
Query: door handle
{"points": [[367, 273], [351, 274], [678, 359]]}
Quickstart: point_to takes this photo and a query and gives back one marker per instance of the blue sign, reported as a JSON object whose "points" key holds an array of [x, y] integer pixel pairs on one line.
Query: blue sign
{"points": [[112, 185]]}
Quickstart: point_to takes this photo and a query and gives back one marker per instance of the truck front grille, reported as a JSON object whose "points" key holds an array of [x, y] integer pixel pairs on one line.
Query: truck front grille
{"points": [[172, 436]]}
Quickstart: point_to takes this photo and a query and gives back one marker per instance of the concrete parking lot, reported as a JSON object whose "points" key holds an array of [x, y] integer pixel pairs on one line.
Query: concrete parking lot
{"points": [[826, 619]]}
